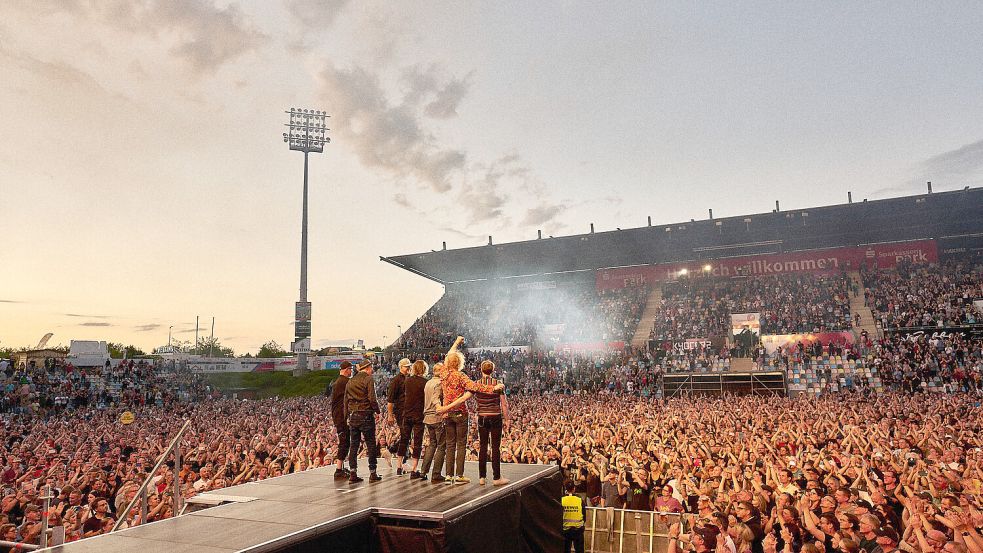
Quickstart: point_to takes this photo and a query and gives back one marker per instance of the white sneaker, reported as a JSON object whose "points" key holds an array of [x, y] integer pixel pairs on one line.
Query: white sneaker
{"points": [[449, 480], [481, 481], [462, 480], [500, 482]]}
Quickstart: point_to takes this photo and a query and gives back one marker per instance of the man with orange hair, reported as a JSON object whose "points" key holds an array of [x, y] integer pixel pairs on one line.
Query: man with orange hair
{"points": [[455, 384]]}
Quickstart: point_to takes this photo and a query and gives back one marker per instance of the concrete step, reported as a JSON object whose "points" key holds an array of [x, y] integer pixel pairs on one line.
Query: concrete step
{"points": [[648, 317]]}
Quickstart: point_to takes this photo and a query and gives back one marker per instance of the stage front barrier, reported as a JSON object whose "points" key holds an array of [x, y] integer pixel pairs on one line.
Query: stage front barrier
{"points": [[715, 384], [609, 530]]}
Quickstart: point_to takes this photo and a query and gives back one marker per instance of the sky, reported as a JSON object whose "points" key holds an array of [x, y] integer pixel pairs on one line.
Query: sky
{"points": [[144, 181]]}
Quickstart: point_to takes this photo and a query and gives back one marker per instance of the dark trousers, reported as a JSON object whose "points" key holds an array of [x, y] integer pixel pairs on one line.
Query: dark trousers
{"points": [[490, 427], [574, 536], [435, 449], [362, 425], [456, 437], [344, 440], [410, 428]]}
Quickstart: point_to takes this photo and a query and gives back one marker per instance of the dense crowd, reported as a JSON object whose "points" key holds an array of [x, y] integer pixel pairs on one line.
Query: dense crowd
{"points": [[925, 295], [811, 469], [55, 386], [700, 307]]}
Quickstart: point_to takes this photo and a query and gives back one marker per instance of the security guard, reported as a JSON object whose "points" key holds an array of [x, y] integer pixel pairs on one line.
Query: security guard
{"points": [[573, 520]]}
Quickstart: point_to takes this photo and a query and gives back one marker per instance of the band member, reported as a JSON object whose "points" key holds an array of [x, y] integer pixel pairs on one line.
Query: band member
{"points": [[361, 407], [432, 400], [394, 396], [493, 410], [455, 384], [413, 397], [338, 417]]}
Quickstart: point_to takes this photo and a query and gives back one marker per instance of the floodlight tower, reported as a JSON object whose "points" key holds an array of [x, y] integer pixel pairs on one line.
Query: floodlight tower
{"points": [[306, 132]]}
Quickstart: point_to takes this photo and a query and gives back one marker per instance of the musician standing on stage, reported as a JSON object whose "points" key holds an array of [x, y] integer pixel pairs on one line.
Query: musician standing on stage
{"points": [[413, 400], [361, 407], [455, 384], [338, 417], [395, 395], [432, 400], [493, 411]]}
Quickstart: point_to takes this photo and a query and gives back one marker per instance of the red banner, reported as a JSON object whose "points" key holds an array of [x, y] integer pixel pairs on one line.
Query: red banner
{"points": [[828, 261]]}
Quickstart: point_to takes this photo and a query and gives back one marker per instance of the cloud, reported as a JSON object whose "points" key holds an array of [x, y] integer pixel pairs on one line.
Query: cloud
{"points": [[316, 15], [10, 301], [91, 323], [186, 331], [542, 214], [77, 315], [386, 135], [440, 100], [953, 169], [147, 327], [199, 33]]}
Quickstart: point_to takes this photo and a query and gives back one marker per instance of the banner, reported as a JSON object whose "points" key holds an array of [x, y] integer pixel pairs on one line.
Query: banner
{"points": [[681, 347], [241, 365], [820, 262], [915, 334], [739, 322], [772, 342], [499, 349]]}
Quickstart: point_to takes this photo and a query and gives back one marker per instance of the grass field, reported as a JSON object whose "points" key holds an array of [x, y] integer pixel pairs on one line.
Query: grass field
{"points": [[269, 384]]}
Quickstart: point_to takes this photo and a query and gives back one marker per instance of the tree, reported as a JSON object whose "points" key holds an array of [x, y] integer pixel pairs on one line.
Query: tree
{"points": [[272, 349], [212, 348], [119, 351]]}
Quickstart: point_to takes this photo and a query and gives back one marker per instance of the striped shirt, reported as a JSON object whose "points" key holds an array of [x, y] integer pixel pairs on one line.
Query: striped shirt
{"points": [[491, 405], [455, 383]]}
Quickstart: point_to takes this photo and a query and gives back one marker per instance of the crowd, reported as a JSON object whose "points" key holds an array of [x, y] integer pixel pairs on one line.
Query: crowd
{"points": [[55, 386], [501, 316], [925, 295], [700, 307], [832, 469]]}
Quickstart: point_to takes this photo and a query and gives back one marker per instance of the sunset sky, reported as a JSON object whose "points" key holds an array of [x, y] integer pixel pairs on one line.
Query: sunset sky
{"points": [[144, 181]]}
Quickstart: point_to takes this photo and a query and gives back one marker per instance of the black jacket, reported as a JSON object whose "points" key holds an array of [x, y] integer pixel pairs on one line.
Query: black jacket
{"points": [[413, 398], [338, 401], [396, 392]]}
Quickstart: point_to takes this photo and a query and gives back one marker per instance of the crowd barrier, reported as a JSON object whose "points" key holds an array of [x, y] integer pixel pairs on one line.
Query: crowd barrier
{"points": [[610, 530]]}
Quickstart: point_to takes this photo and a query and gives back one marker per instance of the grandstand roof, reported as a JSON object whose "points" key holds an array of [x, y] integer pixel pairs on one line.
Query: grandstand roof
{"points": [[935, 215]]}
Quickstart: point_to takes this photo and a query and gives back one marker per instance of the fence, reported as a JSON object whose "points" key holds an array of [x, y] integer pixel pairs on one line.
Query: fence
{"points": [[609, 530]]}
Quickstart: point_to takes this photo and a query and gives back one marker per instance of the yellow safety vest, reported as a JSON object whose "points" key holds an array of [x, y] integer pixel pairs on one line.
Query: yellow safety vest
{"points": [[573, 512]]}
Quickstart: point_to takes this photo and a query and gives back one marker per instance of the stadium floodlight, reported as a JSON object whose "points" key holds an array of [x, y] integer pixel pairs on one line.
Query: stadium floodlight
{"points": [[708, 267], [306, 132], [684, 271]]}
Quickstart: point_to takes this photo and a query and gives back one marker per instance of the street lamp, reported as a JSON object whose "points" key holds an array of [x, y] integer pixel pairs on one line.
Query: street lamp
{"points": [[306, 132]]}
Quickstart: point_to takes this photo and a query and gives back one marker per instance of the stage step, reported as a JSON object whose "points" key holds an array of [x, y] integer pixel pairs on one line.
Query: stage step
{"points": [[652, 308], [858, 306]]}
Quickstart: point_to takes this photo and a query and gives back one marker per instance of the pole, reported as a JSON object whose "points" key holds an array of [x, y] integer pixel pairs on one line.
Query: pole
{"points": [[211, 342], [302, 357], [44, 513], [196, 334], [176, 492]]}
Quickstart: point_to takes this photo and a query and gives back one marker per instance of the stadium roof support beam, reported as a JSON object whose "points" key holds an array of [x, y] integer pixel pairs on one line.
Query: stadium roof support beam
{"points": [[411, 269]]}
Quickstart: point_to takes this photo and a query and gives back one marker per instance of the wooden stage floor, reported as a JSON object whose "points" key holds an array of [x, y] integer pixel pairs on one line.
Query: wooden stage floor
{"points": [[278, 513]]}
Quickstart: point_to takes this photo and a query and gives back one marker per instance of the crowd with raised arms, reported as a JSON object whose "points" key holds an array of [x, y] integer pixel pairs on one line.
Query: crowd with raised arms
{"points": [[700, 307], [925, 295]]}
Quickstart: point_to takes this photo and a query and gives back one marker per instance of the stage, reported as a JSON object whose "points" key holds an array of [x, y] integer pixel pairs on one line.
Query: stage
{"points": [[310, 511]]}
